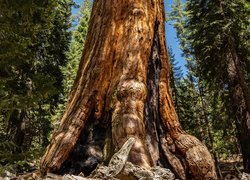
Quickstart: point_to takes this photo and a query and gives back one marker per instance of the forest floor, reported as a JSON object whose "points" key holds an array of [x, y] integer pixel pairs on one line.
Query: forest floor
{"points": [[231, 169]]}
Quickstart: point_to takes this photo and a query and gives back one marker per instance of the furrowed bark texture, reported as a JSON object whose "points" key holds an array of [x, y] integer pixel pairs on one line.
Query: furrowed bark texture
{"points": [[123, 85]]}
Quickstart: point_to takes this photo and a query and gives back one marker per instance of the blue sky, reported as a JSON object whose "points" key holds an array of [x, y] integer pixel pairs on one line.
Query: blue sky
{"points": [[172, 40], [170, 36]]}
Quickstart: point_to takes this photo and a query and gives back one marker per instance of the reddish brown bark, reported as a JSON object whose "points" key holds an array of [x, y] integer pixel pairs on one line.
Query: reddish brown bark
{"points": [[123, 83]]}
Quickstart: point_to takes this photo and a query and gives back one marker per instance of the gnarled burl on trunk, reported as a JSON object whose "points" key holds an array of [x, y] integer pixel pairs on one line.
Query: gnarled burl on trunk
{"points": [[122, 90]]}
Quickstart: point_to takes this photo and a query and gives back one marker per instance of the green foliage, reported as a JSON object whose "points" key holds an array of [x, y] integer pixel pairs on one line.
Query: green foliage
{"points": [[34, 38], [213, 25], [16, 162], [38, 63], [203, 103], [77, 44], [75, 52], [175, 79]]}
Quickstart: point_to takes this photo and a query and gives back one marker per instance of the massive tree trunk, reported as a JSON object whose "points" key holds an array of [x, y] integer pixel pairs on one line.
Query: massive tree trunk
{"points": [[122, 90], [240, 101]]}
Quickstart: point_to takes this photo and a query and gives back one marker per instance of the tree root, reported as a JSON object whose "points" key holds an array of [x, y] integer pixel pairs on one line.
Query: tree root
{"points": [[120, 168]]}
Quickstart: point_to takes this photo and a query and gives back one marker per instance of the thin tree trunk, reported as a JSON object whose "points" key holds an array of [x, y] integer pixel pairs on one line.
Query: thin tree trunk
{"points": [[195, 104], [174, 89], [123, 88], [17, 129], [240, 102], [209, 132], [239, 97]]}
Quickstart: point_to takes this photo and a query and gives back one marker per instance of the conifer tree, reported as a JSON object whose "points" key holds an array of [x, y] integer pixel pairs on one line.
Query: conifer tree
{"points": [[34, 38], [175, 78], [79, 33], [220, 54], [214, 34], [77, 44]]}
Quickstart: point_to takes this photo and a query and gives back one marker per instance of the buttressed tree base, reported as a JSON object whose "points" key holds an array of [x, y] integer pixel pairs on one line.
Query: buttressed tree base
{"points": [[122, 90]]}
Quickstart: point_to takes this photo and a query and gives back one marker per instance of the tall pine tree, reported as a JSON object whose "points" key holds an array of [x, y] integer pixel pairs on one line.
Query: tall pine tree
{"points": [[217, 29], [209, 102], [81, 21], [34, 38]]}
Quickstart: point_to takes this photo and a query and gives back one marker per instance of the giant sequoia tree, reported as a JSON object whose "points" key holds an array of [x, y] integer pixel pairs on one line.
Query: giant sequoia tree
{"points": [[122, 90]]}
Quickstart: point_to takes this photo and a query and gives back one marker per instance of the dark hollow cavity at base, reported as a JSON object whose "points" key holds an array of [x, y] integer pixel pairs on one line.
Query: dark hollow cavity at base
{"points": [[154, 126], [88, 151]]}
